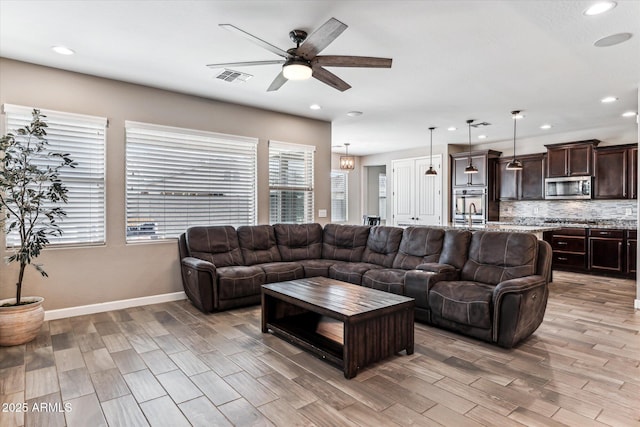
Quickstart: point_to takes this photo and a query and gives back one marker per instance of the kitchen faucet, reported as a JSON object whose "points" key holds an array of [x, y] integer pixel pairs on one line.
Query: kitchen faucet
{"points": [[475, 211]]}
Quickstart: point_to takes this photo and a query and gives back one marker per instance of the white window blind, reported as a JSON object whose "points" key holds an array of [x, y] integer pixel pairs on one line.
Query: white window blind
{"points": [[84, 138], [178, 178], [338, 196], [290, 183]]}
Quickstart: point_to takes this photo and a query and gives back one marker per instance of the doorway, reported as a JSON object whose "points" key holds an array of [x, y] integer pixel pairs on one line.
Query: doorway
{"points": [[375, 194]]}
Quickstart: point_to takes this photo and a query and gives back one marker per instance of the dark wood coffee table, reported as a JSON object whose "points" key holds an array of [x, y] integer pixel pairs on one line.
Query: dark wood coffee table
{"points": [[348, 325]]}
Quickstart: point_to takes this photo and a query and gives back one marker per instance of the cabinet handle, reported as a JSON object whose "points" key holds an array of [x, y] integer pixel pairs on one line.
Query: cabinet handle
{"points": [[561, 258], [562, 243], [604, 233]]}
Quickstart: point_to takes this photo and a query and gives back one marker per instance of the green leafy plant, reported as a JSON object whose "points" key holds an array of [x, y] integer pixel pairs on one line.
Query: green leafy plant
{"points": [[31, 192]]}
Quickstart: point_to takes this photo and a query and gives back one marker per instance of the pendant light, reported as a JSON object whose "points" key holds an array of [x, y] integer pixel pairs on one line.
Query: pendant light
{"points": [[347, 162], [431, 171], [514, 164], [470, 168]]}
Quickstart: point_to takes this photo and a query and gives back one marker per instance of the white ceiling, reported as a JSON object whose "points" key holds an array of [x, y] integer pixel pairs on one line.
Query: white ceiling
{"points": [[452, 60]]}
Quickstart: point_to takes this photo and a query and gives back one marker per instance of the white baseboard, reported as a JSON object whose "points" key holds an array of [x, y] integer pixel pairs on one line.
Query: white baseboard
{"points": [[636, 304], [112, 305]]}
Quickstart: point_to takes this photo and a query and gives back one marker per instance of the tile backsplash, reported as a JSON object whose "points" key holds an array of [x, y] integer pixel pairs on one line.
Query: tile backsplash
{"points": [[579, 210]]}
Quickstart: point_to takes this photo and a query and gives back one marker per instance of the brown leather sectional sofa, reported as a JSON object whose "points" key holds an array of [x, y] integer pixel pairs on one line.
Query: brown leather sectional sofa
{"points": [[488, 285]]}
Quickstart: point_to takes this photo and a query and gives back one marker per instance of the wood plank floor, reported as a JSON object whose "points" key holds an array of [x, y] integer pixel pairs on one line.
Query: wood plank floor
{"points": [[170, 365]]}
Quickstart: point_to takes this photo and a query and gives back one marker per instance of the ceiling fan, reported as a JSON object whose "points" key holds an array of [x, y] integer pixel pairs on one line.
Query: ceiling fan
{"points": [[302, 62]]}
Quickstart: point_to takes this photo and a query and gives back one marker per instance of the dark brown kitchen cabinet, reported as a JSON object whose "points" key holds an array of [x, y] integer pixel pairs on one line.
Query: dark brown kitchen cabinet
{"points": [[615, 171], [569, 247], [632, 251], [571, 158], [526, 184], [483, 160], [606, 250], [632, 174]]}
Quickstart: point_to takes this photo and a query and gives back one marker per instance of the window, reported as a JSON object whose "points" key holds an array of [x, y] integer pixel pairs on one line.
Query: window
{"points": [[290, 183], [178, 178], [339, 196], [83, 137]]}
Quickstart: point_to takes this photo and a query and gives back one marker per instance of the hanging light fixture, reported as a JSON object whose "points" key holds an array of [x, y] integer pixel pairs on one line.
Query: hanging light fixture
{"points": [[514, 164], [431, 171], [347, 162], [470, 168]]}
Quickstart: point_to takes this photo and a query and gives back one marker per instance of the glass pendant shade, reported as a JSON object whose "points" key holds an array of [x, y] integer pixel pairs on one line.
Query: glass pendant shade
{"points": [[471, 168], [514, 164], [347, 162], [431, 171]]}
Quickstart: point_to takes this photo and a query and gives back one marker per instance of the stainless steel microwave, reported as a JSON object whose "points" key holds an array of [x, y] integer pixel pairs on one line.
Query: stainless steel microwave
{"points": [[570, 187]]}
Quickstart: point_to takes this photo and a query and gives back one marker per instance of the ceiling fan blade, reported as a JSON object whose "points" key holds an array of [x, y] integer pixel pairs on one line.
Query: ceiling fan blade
{"points": [[331, 79], [256, 40], [244, 64], [352, 61], [277, 82], [321, 38]]}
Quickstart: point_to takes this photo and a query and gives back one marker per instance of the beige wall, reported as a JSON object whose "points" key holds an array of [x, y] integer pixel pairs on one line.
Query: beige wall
{"points": [[117, 271]]}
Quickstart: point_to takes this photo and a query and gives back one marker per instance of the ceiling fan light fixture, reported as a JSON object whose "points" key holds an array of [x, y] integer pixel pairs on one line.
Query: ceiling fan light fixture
{"points": [[296, 69]]}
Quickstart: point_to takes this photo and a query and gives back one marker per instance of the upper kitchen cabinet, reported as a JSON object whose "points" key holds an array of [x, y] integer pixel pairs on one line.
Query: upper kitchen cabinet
{"points": [[525, 184], [571, 158], [615, 171], [484, 161]]}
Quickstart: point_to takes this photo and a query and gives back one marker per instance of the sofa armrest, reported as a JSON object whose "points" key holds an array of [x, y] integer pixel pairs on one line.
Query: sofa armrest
{"points": [[198, 280], [436, 267], [519, 307], [417, 284]]}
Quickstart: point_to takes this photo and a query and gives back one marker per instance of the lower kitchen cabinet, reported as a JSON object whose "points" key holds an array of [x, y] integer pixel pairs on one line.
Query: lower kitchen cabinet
{"points": [[606, 250], [594, 250]]}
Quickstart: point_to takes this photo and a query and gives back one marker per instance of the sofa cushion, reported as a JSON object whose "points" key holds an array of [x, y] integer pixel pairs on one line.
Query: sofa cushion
{"points": [[464, 302], [382, 245], [455, 248], [258, 244], [299, 241], [239, 281], [282, 271], [419, 245], [344, 242], [216, 244], [498, 256], [385, 279], [350, 271], [316, 267]]}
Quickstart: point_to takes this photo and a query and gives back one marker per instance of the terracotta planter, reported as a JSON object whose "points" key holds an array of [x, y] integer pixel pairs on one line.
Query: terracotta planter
{"points": [[20, 324]]}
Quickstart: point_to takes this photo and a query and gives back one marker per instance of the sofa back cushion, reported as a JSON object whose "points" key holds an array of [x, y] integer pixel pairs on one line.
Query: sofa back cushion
{"points": [[299, 241], [419, 245], [498, 256], [382, 245], [258, 244], [216, 244], [344, 242], [455, 248]]}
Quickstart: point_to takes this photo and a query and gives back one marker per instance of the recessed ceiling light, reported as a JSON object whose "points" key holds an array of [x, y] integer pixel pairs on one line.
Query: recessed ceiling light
{"points": [[545, 126], [354, 113], [600, 7], [482, 136], [315, 107], [451, 128], [63, 50], [518, 116], [612, 40], [608, 99], [629, 114]]}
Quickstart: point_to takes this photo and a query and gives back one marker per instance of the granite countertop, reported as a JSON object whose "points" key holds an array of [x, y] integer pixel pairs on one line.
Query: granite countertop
{"points": [[573, 223], [501, 226]]}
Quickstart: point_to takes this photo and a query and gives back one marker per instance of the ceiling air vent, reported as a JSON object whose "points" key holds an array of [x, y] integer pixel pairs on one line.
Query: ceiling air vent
{"points": [[233, 76]]}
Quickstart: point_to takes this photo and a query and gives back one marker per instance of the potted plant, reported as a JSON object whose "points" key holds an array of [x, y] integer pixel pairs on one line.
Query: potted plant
{"points": [[30, 196]]}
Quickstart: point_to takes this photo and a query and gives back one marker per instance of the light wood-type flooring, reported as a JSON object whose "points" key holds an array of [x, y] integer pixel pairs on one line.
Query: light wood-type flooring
{"points": [[170, 365]]}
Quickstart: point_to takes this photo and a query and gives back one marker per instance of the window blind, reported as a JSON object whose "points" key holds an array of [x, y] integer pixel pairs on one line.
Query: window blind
{"points": [[339, 196], [84, 138], [178, 178], [290, 182]]}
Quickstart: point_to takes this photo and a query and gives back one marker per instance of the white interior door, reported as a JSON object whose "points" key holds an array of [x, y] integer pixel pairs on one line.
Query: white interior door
{"points": [[403, 191], [428, 204]]}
